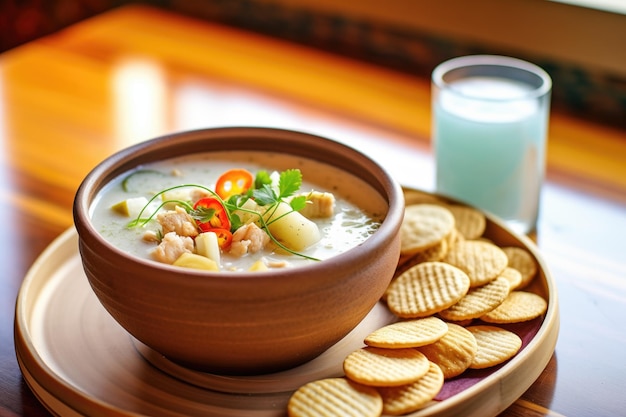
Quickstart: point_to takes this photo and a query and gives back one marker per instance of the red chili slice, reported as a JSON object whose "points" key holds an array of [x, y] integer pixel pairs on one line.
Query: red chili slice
{"points": [[219, 218], [224, 237], [233, 182]]}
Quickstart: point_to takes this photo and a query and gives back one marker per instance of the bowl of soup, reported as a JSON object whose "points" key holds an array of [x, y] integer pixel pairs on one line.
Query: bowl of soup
{"points": [[239, 250]]}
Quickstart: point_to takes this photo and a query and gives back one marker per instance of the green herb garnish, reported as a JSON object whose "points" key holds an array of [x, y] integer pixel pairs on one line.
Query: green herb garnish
{"points": [[265, 194]]}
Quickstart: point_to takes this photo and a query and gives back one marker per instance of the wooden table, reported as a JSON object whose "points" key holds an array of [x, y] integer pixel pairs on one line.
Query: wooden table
{"points": [[69, 100]]}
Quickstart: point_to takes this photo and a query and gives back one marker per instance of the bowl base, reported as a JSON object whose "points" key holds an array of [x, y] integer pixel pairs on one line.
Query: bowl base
{"points": [[328, 364]]}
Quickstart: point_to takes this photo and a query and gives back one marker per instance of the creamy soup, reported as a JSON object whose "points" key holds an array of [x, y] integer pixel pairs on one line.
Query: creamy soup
{"points": [[358, 208]]}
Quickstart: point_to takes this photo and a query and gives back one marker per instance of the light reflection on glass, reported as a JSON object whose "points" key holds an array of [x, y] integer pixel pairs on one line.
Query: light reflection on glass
{"points": [[140, 101]]}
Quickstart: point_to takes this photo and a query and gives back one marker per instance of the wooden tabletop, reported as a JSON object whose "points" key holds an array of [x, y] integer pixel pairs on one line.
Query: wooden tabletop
{"points": [[69, 100]]}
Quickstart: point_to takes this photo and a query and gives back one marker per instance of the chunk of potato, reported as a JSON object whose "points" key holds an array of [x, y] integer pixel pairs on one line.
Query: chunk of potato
{"points": [[207, 245], [181, 194], [246, 216], [291, 228], [176, 194], [131, 207], [195, 261], [258, 266]]}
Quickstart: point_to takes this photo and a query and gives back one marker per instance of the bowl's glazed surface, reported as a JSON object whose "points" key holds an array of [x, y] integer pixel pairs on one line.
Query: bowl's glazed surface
{"points": [[241, 323]]}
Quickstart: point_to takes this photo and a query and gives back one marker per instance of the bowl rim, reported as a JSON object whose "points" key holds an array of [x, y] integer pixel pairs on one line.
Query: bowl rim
{"points": [[186, 142]]}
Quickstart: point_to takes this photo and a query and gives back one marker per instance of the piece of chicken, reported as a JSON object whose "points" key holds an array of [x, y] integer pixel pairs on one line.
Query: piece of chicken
{"points": [[178, 221], [319, 205], [171, 247], [249, 238]]}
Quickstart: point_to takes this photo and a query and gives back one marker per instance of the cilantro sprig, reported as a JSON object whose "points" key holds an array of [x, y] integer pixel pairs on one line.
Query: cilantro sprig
{"points": [[270, 197]]}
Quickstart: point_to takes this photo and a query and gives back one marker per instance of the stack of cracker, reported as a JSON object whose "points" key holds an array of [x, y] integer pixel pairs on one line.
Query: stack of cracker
{"points": [[452, 291]]}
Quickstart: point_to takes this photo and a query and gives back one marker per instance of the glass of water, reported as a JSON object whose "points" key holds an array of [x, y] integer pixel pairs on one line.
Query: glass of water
{"points": [[490, 121]]}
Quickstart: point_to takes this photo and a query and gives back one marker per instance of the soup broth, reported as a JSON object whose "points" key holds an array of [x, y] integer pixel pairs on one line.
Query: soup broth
{"points": [[358, 210]]}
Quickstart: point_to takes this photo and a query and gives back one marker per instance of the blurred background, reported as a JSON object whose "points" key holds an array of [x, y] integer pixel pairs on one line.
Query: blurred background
{"points": [[581, 43]]}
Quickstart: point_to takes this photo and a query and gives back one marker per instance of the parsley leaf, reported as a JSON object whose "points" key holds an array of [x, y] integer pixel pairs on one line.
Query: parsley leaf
{"points": [[298, 203], [265, 195], [289, 182], [202, 214], [262, 177]]}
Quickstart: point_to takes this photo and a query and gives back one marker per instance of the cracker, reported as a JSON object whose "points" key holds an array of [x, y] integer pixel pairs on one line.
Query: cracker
{"points": [[408, 334], [385, 367], [453, 238], [482, 261], [454, 352], [519, 306], [495, 345], [412, 397], [478, 301], [513, 276], [426, 289], [523, 261], [412, 197], [424, 226], [432, 254], [470, 222], [333, 397]]}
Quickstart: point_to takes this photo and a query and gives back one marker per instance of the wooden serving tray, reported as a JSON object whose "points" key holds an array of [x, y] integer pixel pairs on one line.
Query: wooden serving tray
{"points": [[79, 361]]}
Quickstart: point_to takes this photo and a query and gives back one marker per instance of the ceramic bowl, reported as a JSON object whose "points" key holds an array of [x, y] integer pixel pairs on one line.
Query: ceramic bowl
{"points": [[240, 323]]}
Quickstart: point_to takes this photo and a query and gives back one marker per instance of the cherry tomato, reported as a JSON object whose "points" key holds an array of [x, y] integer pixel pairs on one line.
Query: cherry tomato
{"points": [[233, 182], [224, 237], [218, 219]]}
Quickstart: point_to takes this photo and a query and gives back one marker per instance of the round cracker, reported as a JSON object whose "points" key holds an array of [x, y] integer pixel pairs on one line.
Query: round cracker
{"points": [[513, 276], [523, 261], [470, 222], [408, 334], [454, 352], [412, 397], [426, 289], [334, 397], [412, 197], [482, 261], [518, 307], [454, 237], [478, 301], [424, 226], [495, 345], [432, 254], [385, 367]]}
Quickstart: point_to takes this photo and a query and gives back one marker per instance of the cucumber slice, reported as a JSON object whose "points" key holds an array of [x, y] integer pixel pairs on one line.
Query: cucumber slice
{"points": [[129, 184]]}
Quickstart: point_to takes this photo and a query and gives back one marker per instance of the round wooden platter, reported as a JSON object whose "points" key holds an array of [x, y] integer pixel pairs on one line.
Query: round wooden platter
{"points": [[79, 361]]}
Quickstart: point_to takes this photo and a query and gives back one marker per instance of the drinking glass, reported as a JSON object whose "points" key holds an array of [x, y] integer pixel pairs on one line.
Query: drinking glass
{"points": [[490, 121]]}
